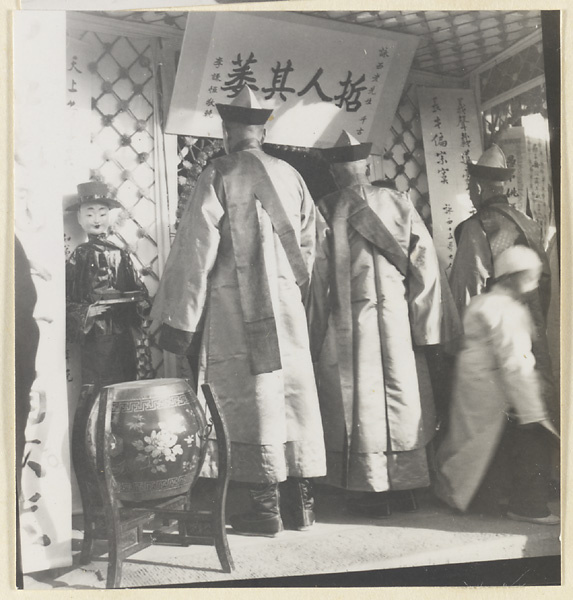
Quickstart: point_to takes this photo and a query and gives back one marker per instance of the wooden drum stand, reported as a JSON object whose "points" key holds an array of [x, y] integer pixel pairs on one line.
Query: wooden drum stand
{"points": [[123, 527]]}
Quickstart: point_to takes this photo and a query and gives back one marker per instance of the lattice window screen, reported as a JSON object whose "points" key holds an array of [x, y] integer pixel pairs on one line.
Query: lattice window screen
{"points": [[403, 158], [122, 145]]}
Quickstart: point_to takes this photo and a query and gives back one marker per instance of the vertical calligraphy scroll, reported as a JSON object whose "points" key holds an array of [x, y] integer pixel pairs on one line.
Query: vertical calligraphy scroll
{"points": [[450, 130], [527, 151], [512, 142]]}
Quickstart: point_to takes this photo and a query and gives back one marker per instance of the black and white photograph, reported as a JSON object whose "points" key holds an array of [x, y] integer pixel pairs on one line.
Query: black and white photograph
{"points": [[287, 296]]}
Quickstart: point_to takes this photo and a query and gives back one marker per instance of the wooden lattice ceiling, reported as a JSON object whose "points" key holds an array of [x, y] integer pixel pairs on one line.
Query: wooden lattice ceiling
{"points": [[452, 43]]}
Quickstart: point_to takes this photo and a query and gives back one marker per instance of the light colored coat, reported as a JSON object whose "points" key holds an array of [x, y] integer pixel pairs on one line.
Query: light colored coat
{"points": [[273, 418], [392, 405], [495, 376]]}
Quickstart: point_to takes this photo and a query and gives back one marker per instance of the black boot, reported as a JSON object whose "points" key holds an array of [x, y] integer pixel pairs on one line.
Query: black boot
{"points": [[374, 505], [404, 500], [298, 503], [264, 519]]}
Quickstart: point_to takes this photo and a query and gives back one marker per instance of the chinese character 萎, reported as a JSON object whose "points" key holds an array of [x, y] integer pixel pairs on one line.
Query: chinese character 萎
{"points": [[240, 76]]}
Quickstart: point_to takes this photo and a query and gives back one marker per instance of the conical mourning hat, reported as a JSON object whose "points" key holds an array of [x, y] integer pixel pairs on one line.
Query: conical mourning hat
{"points": [[245, 108], [491, 165], [347, 149]]}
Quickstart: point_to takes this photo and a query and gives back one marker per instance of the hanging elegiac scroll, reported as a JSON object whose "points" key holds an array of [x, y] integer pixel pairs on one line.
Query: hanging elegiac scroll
{"points": [[450, 131], [527, 151], [512, 142], [319, 77]]}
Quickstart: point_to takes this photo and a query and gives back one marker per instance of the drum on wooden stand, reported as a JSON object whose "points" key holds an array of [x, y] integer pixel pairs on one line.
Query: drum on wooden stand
{"points": [[157, 440]]}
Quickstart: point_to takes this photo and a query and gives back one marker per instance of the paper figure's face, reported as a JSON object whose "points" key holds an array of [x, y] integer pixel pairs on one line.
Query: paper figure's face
{"points": [[94, 218]]}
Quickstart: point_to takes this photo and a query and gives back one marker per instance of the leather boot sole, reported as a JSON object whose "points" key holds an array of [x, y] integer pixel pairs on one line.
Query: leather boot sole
{"points": [[254, 525]]}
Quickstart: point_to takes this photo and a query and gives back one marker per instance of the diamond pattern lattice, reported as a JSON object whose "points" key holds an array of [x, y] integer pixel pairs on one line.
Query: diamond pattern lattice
{"points": [[122, 145], [403, 159]]}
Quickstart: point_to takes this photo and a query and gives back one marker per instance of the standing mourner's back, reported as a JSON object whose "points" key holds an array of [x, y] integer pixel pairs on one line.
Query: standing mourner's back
{"points": [[376, 294], [495, 227], [233, 287]]}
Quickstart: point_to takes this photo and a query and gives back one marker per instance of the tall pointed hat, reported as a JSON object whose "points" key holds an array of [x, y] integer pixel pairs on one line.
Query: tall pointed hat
{"points": [[347, 149], [491, 165], [245, 108]]}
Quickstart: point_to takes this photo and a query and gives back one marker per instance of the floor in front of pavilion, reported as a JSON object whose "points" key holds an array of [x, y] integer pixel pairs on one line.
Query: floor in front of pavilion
{"points": [[434, 535]]}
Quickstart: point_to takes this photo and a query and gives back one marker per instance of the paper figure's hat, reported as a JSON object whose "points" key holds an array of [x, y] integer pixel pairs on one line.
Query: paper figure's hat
{"points": [[347, 149], [245, 108], [491, 165], [93, 191]]}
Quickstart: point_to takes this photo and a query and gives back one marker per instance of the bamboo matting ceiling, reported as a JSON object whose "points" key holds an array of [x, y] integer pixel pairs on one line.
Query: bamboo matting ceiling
{"points": [[452, 43]]}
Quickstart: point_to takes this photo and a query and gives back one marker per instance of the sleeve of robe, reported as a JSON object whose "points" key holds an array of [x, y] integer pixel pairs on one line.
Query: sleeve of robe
{"points": [[77, 322], [319, 302], [510, 342], [182, 294], [308, 225], [132, 281], [473, 265], [424, 290]]}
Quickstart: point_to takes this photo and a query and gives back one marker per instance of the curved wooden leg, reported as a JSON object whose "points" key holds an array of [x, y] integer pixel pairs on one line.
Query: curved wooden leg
{"points": [[224, 455], [88, 541], [115, 564], [82, 468]]}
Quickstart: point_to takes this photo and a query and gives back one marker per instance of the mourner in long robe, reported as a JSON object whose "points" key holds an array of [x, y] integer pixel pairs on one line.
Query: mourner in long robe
{"points": [[498, 440], [97, 272], [377, 300], [234, 285], [495, 227]]}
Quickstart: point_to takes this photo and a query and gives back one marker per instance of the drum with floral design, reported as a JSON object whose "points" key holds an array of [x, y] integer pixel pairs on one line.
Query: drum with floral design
{"points": [[158, 432]]}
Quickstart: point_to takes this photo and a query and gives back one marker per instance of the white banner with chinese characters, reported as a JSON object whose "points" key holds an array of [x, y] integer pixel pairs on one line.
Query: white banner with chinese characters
{"points": [[450, 130], [527, 150], [512, 142], [319, 76]]}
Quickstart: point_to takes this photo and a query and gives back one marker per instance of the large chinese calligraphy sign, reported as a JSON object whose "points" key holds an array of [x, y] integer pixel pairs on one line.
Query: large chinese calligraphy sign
{"points": [[319, 77], [450, 130]]}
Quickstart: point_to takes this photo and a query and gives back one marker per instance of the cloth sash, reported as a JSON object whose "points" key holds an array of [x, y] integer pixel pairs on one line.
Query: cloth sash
{"points": [[246, 180], [368, 224]]}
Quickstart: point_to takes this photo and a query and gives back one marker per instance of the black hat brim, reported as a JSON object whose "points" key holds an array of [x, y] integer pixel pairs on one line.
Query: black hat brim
{"points": [[342, 154], [107, 201], [490, 173], [244, 115]]}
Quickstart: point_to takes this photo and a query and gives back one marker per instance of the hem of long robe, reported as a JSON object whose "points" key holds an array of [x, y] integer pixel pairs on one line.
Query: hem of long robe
{"points": [[379, 472], [252, 463]]}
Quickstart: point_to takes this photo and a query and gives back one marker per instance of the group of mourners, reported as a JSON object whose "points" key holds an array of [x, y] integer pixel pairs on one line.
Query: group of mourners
{"points": [[321, 328]]}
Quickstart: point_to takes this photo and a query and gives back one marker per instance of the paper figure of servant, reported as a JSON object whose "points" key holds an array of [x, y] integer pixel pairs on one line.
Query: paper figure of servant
{"points": [[106, 301]]}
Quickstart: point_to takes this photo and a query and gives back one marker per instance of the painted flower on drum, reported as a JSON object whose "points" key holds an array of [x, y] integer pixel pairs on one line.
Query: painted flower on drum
{"points": [[158, 448]]}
